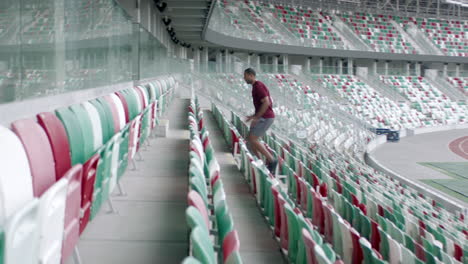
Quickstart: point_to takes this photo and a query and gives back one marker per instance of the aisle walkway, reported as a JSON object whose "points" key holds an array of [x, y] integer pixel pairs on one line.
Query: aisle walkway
{"points": [[257, 244], [149, 226]]}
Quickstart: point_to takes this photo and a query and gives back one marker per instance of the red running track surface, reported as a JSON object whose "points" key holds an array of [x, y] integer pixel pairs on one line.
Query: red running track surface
{"points": [[460, 147]]}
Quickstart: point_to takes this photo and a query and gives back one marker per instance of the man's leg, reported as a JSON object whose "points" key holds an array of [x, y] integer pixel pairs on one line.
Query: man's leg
{"points": [[259, 148]]}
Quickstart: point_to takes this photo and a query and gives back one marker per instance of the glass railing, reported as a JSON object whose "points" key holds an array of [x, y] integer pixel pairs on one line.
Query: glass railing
{"points": [[328, 70], [396, 71], [455, 73], [54, 46]]}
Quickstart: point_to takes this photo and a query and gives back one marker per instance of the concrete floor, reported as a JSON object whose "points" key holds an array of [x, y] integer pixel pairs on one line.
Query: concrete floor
{"points": [[403, 157], [149, 226]]}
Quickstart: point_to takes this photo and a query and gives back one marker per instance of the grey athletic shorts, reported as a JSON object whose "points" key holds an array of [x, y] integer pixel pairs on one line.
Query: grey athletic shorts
{"points": [[261, 127]]}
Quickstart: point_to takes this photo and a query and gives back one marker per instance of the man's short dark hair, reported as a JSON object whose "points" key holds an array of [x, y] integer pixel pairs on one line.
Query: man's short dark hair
{"points": [[250, 71]]}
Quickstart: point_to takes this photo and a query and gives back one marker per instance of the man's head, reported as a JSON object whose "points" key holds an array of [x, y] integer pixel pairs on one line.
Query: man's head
{"points": [[249, 75]]}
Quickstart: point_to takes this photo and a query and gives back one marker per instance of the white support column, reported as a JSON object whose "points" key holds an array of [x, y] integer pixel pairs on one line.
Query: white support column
{"points": [[408, 67], [350, 66], [249, 60], [340, 66], [232, 62], [257, 62], [386, 67], [226, 60], [205, 59], [445, 69], [286, 63], [457, 70], [418, 69], [307, 65], [321, 66], [219, 61], [196, 59], [275, 64], [374, 66]]}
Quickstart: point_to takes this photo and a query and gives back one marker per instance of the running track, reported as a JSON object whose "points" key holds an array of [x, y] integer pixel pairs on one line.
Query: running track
{"points": [[460, 147]]}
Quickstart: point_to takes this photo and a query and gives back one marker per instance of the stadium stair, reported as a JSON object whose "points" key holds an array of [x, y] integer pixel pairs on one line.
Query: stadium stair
{"points": [[227, 194]]}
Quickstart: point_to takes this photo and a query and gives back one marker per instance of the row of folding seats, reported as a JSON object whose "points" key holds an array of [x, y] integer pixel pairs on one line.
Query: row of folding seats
{"points": [[341, 163], [319, 122], [296, 234], [428, 99], [307, 24], [447, 35], [393, 200], [235, 14], [208, 216], [378, 32], [459, 82], [369, 227], [369, 105], [61, 166]]}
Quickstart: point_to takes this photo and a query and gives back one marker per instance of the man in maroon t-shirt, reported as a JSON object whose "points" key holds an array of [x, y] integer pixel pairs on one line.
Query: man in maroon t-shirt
{"points": [[262, 119]]}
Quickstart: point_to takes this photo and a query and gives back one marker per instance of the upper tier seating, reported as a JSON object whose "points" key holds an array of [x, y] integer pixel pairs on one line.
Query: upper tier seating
{"points": [[378, 32], [448, 35], [47, 203], [307, 25]]}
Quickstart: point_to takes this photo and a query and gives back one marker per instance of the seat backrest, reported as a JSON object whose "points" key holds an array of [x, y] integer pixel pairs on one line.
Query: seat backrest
{"points": [[87, 188], [202, 247], [107, 126], [139, 98], [16, 187], [234, 258], [120, 110], [74, 134], [86, 129], [293, 230], [115, 113], [194, 218], [309, 246], [190, 260], [123, 100], [321, 256], [142, 96], [195, 200], [51, 222], [151, 92], [58, 141], [230, 244], [96, 124], [22, 234], [39, 152], [132, 101], [72, 211]]}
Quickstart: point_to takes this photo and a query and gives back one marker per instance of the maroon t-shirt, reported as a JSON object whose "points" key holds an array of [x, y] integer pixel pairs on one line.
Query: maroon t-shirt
{"points": [[260, 91]]}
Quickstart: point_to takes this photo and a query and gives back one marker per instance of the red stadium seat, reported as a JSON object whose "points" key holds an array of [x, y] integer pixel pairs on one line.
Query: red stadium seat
{"points": [[230, 244], [39, 152], [87, 188], [125, 105], [195, 200], [58, 139]]}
